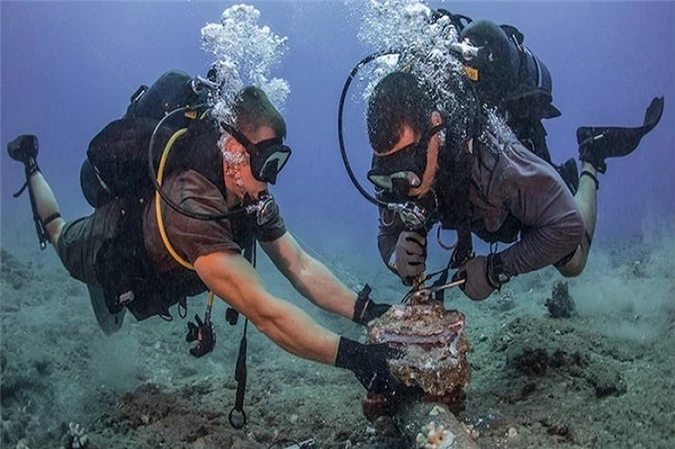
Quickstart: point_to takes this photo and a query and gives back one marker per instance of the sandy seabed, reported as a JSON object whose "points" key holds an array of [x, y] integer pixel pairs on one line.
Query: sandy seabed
{"points": [[603, 378]]}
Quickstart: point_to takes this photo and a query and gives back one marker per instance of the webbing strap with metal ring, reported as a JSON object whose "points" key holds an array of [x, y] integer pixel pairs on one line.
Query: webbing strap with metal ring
{"points": [[240, 371], [240, 375]]}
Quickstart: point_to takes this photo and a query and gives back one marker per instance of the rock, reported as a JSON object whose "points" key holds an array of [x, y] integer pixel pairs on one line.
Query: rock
{"points": [[560, 304], [434, 346], [607, 381], [565, 359], [530, 361]]}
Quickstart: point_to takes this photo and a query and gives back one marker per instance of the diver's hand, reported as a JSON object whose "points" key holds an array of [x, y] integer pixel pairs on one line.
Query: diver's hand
{"points": [[411, 255], [369, 364], [365, 309], [482, 276]]}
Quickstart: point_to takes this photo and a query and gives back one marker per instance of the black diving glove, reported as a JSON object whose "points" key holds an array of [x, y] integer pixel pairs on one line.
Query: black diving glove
{"points": [[369, 364], [411, 256], [203, 334], [483, 275], [365, 309]]}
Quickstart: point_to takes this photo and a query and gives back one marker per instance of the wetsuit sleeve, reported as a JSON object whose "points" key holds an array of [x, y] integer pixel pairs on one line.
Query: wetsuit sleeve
{"points": [[536, 195]]}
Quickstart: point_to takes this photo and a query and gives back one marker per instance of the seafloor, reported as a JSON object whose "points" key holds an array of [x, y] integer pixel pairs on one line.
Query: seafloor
{"points": [[601, 378]]}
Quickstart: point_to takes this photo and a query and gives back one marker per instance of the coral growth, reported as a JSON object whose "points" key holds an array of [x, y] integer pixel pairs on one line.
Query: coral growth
{"points": [[75, 437], [434, 436]]}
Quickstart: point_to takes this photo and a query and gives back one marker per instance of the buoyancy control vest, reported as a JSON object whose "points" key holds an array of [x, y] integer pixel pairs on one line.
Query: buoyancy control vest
{"points": [[118, 157]]}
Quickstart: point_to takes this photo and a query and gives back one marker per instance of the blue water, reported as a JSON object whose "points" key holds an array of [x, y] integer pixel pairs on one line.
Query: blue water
{"points": [[69, 67]]}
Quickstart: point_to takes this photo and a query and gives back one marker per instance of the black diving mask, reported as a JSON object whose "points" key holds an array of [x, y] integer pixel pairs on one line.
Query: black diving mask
{"points": [[395, 174], [267, 158], [402, 170]]}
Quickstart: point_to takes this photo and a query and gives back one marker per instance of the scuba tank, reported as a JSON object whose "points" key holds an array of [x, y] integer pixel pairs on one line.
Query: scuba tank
{"points": [[117, 158]]}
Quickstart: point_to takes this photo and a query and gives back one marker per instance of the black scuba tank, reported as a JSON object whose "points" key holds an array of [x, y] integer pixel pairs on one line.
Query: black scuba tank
{"points": [[495, 68], [509, 74], [173, 89], [117, 158]]}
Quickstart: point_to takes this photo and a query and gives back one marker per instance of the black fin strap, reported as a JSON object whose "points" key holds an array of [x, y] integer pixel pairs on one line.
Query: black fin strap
{"points": [[592, 176], [30, 168], [21, 190], [40, 226]]}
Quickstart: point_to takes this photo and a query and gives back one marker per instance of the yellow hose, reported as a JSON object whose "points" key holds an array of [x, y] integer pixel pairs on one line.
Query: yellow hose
{"points": [[160, 220], [158, 200]]}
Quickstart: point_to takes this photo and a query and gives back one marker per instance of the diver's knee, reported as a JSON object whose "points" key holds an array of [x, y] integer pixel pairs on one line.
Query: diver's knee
{"points": [[573, 268]]}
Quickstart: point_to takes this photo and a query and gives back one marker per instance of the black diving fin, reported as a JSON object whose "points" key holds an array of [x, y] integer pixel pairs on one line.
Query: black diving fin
{"points": [[598, 143]]}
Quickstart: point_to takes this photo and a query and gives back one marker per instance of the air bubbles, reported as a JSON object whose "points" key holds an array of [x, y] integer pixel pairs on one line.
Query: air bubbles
{"points": [[426, 43], [245, 53]]}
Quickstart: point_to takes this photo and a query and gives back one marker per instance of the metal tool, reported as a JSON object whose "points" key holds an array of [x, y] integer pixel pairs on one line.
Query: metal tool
{"points": [[422, 294]]}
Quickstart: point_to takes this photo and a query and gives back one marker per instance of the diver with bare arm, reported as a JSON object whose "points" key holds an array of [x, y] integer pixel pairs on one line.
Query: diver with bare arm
{"points": [[46, 212]]}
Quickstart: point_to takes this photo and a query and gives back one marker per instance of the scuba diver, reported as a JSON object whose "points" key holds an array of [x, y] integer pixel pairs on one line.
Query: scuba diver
{"points": [[510, 78], [457, 167], [468, 151], [166, 228]]}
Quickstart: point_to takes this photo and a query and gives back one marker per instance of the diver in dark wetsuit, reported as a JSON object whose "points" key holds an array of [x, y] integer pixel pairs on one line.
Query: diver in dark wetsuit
{"points": [[479, 178]]}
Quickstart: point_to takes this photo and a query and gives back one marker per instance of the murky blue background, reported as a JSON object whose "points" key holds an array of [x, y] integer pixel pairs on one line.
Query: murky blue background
{"points": [[68, 68]]}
